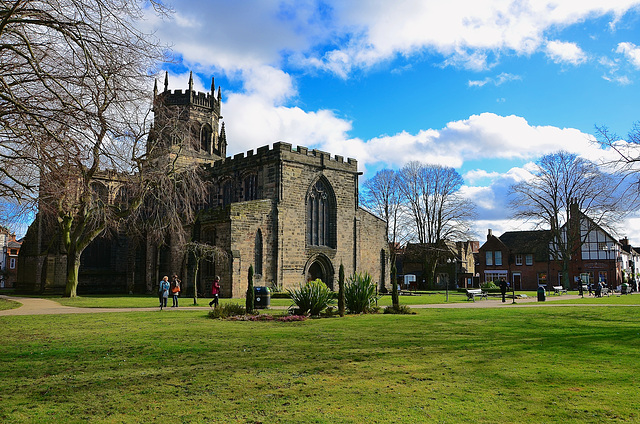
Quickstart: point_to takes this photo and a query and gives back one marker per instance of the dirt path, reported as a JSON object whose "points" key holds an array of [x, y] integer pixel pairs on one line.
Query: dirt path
{"points": [[37, 306]]}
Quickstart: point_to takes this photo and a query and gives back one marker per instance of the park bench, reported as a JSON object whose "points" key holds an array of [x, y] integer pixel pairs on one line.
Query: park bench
{"points": [[559, 290], [472, 293]]}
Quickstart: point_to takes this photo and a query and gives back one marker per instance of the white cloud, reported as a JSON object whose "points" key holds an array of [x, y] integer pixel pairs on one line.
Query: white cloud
{"points": [[475, 175], [631, 52], [339, 36], [483, 136], [253, 120], [618, 79], [498, 80], [564, 52]]}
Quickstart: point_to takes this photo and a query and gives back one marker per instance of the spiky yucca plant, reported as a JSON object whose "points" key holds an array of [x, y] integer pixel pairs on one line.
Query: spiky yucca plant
{"points": [[312, 298], [360, 293]]}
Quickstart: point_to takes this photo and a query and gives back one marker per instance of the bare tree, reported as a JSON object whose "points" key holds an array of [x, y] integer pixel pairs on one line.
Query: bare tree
{"points": [[64, 64], [199, 252], [628, 161], [439, 213], [559, 181], [74, 87], [381, 195]]}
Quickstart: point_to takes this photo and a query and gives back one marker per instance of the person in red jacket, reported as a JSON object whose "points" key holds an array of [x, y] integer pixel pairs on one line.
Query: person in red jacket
{"points": [[175, 290], [215, 291]]}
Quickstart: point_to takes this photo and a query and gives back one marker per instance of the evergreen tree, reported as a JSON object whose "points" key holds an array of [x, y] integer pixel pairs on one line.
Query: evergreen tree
{"points": [[341, 290], [394, 286], [250, 293]]}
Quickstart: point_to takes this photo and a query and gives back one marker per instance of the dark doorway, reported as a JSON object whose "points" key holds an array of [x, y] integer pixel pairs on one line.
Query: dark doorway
{"points": [[321, 268]]}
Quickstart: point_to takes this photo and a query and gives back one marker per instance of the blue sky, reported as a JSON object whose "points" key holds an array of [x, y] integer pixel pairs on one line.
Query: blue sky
{"points": [[486, 87]]}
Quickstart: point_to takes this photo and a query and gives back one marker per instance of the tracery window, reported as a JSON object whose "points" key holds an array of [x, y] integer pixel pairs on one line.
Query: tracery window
{"points": [[258, 253], [251, 187], [321, 215], [227, 193], [205, 138]]}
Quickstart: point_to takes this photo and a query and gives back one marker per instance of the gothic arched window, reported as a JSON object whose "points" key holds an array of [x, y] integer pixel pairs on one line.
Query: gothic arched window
{"points": [[251, 187], [321, 215], [205, 138], [258, 253], [227, 193]]}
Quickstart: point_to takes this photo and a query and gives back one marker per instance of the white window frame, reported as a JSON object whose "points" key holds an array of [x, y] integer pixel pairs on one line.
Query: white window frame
{"points": [[488, 257]]}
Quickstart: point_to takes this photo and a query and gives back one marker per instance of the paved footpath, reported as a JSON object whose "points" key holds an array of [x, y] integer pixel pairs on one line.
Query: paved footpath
{"points": [[37, 306]]}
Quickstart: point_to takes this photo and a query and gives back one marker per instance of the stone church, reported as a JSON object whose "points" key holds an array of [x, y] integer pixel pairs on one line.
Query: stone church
{"points": [[292, 213]]}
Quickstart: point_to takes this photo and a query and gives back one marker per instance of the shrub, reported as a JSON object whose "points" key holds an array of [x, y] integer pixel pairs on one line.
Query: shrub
{"points": [[488, 285], [226, 311], [311, 298], [360, 293], [400, 309]]}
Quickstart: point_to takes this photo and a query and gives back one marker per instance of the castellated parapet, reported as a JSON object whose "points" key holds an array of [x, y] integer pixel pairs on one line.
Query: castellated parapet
{"points": [[286, 152]]}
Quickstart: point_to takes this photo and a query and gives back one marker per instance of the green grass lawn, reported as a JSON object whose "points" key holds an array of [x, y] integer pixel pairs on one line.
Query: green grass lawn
{"points": [[144, 301], [507, 365], [8, 304]]}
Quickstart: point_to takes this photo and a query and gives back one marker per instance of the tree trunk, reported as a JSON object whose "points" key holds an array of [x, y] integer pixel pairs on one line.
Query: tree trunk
{"points": [[195, 281], [73, 265]]}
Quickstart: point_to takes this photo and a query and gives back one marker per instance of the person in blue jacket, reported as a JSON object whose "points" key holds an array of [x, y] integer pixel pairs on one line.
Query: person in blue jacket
{"points": [[163, 291]]}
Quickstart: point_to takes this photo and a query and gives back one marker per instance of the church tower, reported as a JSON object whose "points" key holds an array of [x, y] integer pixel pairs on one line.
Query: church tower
{"points": [[189, 122]]}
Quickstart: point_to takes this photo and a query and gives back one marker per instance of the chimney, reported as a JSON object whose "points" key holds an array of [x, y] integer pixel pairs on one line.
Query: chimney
{"points": [[489, 234], [624, 241]]}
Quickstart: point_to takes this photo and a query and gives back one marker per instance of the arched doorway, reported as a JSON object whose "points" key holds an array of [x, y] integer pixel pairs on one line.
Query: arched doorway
{"points": [[320, 268]]}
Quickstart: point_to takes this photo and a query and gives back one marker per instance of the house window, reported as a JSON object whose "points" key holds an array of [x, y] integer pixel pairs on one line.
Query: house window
{"points": [[528, 259], [489, 258], [321, 215], [258, 253], [542, 278], [518, 259], [12, 263], [498, 257]]}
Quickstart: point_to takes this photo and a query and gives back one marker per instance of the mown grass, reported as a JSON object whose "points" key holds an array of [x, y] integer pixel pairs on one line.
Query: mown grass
{"points": [[142, 301], [525, 365], [8, 304]]}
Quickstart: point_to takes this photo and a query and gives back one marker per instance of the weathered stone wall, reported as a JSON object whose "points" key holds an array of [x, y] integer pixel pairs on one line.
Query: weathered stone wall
{"points": [[372, 248]]}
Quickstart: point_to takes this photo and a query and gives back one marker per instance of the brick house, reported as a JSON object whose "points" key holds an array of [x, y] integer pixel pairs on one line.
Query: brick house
{"points": [[456, 271], [524, 258], [292, 213], [9, 248], [520, 257]]}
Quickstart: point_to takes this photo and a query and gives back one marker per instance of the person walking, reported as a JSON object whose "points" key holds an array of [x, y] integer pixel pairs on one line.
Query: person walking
{"points": [[503, 288], [163, 291], [175, 290], [215, 291]]}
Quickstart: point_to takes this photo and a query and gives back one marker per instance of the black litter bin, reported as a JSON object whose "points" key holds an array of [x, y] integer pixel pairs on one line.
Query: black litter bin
{"points": [[262, 297], [542, 296]]}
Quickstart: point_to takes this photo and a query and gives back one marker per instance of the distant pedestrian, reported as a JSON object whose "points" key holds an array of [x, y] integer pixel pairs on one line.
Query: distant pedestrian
{"points": [[175, 290], [215, 291], [163, 291], [503, 289], [580, 291], [599, 289]]}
